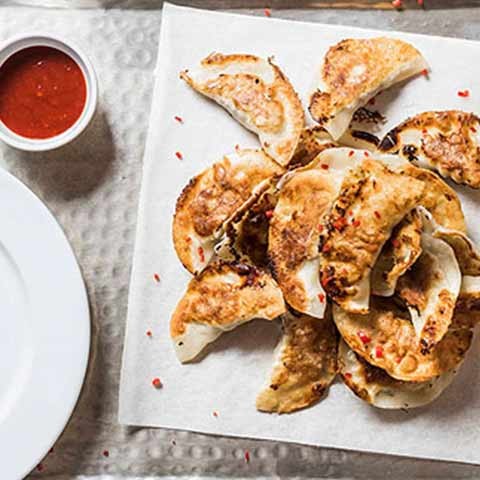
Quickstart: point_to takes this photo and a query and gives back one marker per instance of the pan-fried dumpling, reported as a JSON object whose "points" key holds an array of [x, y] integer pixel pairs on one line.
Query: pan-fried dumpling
{"points": [[373, 199], [397, 255], [386, 338], [447, 141], [304, 199], [431, 287], [257, 94], [353, 72], [222, 297], [305, 364], [376, 387], [212, 198]]}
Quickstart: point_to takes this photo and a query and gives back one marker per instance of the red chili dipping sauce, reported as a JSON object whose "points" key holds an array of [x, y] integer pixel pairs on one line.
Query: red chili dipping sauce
{"points": [[42, 92]]}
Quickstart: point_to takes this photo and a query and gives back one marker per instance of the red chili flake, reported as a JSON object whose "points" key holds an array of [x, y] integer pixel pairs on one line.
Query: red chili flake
{"points": [[106, 453], [149, 333], [379, 351], [364, 337], [356, 223], [473, 129], [340, 223], [237, 147], [326, 248], [351, 153], [156, 382], [424, 131], [320, 228], [201, 254], [397, 3], [398, 359], [156, 277], [395, 243], [267, 12], [247, 456], [40, 467], [424, 72], [366, 153], [325, 281], [464, 93], [179, 155], [269, 214], [350, 213], [347, 375], [178, 119], [321, 297], [188, 240], [215, 414], [377, 214], [324, 166]]}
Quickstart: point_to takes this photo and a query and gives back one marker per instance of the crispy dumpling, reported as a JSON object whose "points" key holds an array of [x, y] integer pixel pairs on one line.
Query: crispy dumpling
{"points": [[212, 198], [373, 199], [446, 141], [469, 297], [353, 72], [294, 234], [257, 94], [376, 387], [305, 364], [386, 338], [431, 287], [398, 254], [222, 297]]}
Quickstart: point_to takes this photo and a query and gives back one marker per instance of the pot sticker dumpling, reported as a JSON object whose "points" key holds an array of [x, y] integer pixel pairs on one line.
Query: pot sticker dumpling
{"points": [[446, 141], [376, 387], [212, 197], [257, 94], [386, 338], [372, 201], [398, 254], [353, 72], [305, 197], [222, 297], [431, 287], [305, 364]]}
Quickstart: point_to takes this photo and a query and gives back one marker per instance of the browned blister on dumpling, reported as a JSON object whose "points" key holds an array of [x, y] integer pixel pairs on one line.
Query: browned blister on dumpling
{"points": [[446, 141], [257, 94], [353, 72], [305, 364]]}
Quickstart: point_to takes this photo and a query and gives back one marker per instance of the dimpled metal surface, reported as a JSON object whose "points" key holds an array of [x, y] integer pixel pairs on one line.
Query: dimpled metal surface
{"points": [[92, 188]]}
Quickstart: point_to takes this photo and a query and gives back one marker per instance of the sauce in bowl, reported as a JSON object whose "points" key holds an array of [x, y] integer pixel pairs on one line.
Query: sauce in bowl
{"points": [[42, 92]]}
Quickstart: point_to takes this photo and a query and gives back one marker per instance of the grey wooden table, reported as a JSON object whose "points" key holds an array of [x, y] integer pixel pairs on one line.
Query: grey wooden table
{"points": [[92, 188]]}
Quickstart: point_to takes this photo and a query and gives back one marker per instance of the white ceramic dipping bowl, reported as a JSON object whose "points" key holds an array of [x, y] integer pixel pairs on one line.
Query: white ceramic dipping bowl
{"points": [[16, 44]]}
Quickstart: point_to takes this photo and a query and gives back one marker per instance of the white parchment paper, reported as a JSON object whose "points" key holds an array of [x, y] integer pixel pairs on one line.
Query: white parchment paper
{"points": [[228, 378]]}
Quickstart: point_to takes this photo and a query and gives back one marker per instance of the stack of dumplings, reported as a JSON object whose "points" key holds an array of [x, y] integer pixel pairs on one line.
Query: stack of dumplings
{"points": [[355, 244]]}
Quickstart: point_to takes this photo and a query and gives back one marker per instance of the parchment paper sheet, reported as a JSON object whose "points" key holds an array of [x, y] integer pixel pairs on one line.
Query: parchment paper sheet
{"points": [[236, 367]]}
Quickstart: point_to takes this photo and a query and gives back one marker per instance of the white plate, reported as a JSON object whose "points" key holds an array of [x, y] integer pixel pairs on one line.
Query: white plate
{"points": [[44, 329]]}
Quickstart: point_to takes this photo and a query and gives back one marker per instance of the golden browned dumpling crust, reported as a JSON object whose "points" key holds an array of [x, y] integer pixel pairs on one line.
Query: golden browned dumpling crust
{"points": [[222, 297], [386, 338], [305, 367], [448, 141], [212, 197], [354, 71], [257, 94], [373, 199]]}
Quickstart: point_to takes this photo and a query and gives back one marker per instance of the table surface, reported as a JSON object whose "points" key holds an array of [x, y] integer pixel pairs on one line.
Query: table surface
{"points": [[92, 188]]}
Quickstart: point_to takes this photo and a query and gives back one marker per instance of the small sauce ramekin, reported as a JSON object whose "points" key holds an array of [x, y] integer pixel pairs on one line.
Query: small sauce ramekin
{"points": [[19, 43]]}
